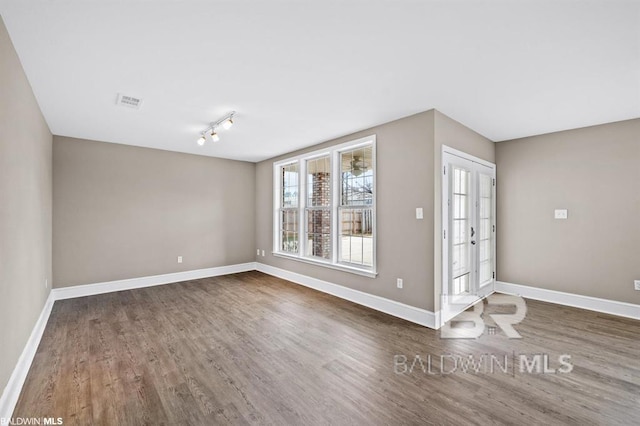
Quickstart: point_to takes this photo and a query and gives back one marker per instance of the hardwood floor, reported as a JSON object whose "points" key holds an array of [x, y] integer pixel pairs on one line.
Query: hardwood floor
{"points": [[252, 349]]}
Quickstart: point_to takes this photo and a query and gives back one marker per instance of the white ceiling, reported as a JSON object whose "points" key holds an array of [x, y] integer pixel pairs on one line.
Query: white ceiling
{"points": [[301, 72]]}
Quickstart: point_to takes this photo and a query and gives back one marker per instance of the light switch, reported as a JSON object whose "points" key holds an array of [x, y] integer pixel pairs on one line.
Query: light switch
{"points": [[561, 214], [419, 213]]}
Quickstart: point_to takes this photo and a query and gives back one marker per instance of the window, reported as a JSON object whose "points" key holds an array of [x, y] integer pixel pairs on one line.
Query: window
{"points": [[356, 206], [325, 207]]}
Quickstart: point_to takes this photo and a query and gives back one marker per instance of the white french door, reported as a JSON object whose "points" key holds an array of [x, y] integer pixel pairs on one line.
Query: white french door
{"points": [[468, 222]]}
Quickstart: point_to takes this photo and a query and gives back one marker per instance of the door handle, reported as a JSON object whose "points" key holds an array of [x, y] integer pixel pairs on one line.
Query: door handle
{"points": [[473, 232]]}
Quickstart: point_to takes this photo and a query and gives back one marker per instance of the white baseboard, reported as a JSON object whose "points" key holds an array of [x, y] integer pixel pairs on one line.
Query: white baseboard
{"points": [[391, 307], [132, 283], [628, 310], [11, 392]]}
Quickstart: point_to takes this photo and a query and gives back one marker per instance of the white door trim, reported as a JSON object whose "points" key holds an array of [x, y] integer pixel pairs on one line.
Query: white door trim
{"points": [[446, 150], [464, 155]]}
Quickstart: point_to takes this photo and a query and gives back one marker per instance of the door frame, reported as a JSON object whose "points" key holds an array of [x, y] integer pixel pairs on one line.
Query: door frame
{"points": [[444, 315]]}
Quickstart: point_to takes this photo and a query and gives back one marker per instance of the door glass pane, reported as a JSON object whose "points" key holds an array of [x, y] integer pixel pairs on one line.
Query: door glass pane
{"points": [[485, 232], [461, 247], [461, 285]]}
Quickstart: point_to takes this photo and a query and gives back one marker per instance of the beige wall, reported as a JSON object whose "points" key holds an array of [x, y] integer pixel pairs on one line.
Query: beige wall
{"points": [[25, 208], [453, 134], [125, 212], [593, 172], [404, 244]]}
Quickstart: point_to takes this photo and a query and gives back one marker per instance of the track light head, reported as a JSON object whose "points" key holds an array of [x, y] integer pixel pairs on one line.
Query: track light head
{"points": [[214, 135], [227, 123], [201, 140]]}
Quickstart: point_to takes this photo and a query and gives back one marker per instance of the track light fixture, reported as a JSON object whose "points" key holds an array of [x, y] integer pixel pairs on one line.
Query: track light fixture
{"points": [[225, 122]]}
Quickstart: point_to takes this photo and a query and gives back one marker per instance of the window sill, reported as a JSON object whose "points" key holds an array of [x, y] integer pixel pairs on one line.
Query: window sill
{"points": [[343, 268]]}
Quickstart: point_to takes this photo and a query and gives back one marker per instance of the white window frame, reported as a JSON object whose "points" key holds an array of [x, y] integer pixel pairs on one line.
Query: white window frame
{"points": [[334, 155]]}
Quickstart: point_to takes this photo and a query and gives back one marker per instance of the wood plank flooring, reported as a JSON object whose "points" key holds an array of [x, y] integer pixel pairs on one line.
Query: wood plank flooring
{"points": [[253, 349]]}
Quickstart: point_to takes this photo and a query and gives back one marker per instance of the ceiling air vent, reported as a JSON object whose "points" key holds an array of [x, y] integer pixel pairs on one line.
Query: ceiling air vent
{"points": [[128, 101]]}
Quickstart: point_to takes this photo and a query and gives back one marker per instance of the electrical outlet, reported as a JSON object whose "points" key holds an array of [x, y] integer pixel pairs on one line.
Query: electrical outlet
{"points": [[262, 253], [400, 283], [179, 259], [636, 284], [419, 213], [258, 252]]}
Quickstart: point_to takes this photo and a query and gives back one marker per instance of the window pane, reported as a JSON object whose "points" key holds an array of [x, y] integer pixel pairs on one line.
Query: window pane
{"points": [[356, 175], [319, 233], [289, 230], [356, 236], [290, 220], [319, 182], [290, 242], [289, 185]]}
